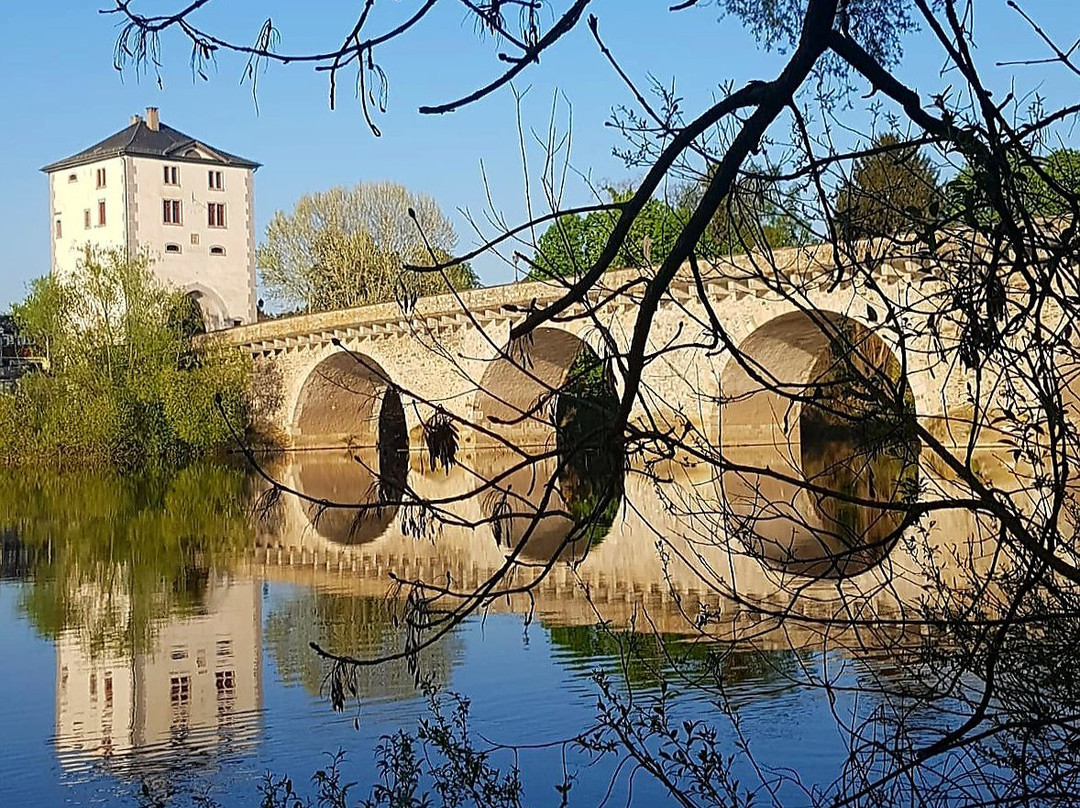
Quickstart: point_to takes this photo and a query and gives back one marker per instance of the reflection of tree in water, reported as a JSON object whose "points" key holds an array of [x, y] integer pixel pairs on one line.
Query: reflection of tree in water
{"points": [[110, 555], [860, 443], [14, 561], [361, 626], [647, 659]]}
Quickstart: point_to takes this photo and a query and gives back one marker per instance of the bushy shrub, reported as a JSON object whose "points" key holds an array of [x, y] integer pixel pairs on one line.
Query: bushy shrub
{"points": [[127, 382]]}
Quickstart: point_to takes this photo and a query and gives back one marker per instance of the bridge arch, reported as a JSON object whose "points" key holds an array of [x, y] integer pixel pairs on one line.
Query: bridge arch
{"points": [[519, 389], [552, 395], [348, 399], [800, 414]]}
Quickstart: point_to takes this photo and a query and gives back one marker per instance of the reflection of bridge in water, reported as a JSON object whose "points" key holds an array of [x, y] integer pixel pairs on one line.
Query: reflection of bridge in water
{"points": [[659, 553]]}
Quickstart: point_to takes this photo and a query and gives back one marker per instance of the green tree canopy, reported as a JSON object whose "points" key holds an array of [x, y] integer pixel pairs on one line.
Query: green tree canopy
{"points": [[1048, 190], [348, 246], [751, 218], [890, 190]]}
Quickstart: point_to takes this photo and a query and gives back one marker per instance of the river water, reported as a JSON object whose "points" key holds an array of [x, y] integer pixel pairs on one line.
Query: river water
{"points": [[156, 636]]}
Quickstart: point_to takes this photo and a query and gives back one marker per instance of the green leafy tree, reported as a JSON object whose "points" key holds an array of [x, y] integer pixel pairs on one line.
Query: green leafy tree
{"points": [[892, 189], [127, 384], [751, 219], [1050, 189], [350, 246], [573, 243]]}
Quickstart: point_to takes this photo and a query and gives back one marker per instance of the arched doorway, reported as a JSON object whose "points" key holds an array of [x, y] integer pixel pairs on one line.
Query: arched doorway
{"points": [[816, 412], [214, 315]]}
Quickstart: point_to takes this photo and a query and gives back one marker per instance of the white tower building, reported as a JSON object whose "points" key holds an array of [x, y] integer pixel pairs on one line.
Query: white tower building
{"points": [[189, 205]]}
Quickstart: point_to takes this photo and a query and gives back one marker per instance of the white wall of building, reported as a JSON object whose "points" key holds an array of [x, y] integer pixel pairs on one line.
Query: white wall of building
{"points": [[74, 192], [215, 264], [224, 280]]}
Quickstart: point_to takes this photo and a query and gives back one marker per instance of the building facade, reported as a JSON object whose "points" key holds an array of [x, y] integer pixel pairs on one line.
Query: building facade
{"points": [[188, 205]]}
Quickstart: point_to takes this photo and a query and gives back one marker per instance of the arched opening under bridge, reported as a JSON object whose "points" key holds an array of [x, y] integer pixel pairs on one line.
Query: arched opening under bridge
{"points": [[555, 473], [816, 411], [349, 407], [348, 399]]}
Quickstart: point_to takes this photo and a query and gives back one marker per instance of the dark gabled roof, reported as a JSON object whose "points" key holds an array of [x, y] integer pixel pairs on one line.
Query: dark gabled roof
{"points": [[142, 141]]}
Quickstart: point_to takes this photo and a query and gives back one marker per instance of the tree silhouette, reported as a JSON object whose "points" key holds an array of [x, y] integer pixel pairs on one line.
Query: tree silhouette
{"points": [[892, 189]]}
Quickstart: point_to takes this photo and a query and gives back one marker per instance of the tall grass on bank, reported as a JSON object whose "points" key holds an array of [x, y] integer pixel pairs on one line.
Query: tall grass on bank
{"points": [[126, 384]]}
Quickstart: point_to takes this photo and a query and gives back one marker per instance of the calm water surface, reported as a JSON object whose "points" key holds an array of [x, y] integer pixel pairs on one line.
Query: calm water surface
{"points": [[156, 634]]}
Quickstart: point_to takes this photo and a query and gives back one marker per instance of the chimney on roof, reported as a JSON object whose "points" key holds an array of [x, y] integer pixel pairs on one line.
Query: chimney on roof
{"points": [[152, 120], [135, 119]]}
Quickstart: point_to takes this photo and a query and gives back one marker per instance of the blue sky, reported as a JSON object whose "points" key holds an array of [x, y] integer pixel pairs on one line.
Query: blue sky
{"points": [[62, 94]]}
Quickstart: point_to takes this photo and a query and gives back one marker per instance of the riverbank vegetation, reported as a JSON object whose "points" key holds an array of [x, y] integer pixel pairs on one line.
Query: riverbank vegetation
{"points": [[127, 383]]}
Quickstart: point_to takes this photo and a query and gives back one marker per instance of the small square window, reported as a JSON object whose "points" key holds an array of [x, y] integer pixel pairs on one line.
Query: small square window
{"points": [[180, 689]]}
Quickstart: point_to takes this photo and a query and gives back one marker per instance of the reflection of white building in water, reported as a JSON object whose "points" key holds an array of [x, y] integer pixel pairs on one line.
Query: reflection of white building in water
{"points": [[199, 686]]}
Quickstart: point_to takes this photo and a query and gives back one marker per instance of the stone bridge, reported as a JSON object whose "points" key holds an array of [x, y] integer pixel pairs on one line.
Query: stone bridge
{"points": [[452, 352], [352, 378]]}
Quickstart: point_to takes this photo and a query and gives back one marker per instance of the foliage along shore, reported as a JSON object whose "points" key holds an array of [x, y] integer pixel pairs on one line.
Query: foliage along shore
{"points": [[126, 383]]}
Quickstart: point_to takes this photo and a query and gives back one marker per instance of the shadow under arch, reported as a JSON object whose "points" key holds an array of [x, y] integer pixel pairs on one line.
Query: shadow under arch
{"points": [[517, 393], [555, 395], [819, 399], [341, 404]]}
